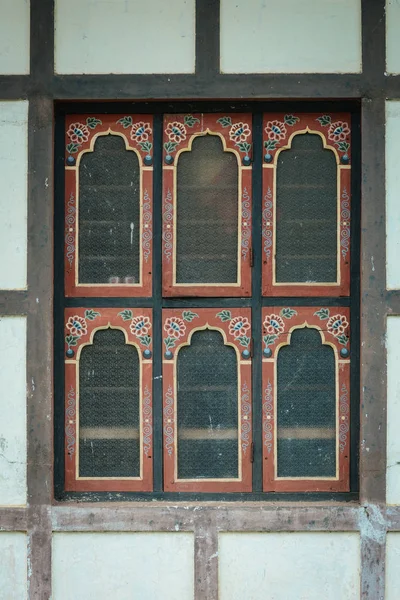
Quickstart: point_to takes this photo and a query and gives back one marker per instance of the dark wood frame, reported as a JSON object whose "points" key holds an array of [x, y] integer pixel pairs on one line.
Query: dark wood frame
{"points": [[42, 87], [95, 125], [198, 125], [220, 320], [284, 321], [90, 321], [291, 125]]}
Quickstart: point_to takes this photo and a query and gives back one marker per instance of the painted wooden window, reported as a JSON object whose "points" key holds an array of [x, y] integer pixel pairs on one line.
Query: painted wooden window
{"points": [[207, 400], [306, 205], [306, 406], [207, 179], [108, 399], [108, 205]]}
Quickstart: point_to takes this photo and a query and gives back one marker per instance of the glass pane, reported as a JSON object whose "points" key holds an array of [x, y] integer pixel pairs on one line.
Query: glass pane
{"points": [[109, 213], [306, 403], [306, 212], [207, 408], [109, 441], [207, 214]]}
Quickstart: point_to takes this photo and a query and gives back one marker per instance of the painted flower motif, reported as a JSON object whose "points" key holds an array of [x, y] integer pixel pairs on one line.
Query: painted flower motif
{"points": [[78, 133], [176, 132], [275, 130], [140, 326], [338, 131], [76, 326], [140, 131], [239, 132], [274, 325], [239, 326], [337, 325], [175, 327]]}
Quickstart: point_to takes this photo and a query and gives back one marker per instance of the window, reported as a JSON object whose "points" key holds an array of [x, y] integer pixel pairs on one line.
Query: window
{"points": [[205, 303]]}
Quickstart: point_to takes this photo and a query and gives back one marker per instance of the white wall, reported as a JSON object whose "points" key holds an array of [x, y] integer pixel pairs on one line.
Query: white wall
{"points": [[124, 36], [290, 36], [124, 566], [392, 194], [14, 37], [393, 411], [13, 411], [393, 36], [289, 566], [392, 566], [13, 193], [13, 571]]}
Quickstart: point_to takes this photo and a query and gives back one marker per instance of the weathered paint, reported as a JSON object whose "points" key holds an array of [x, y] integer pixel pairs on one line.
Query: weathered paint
{"points": [[123, 566], [14, 37], [289, 566], [13, 192], [13, 566], [124, 36], [392, 193], [393, 566], [392, 36], [290, 36], [393, 411], [13, 409]]}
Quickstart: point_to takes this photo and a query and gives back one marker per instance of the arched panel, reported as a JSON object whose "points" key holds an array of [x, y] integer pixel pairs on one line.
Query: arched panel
{"points": [[109, 407], [109, 214], [207, 408], [306, 407], [207, 221], [306, 212]]}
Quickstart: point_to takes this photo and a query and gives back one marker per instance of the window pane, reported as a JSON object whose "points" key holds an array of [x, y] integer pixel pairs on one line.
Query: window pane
{"points": [[109, 209], [109, 444], [306, 407], [207, 214], [306, 212], [207, 408]]}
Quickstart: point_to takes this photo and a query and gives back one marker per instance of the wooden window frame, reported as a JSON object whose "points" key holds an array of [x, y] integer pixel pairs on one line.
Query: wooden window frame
{"points": [[217, 320], [92, 126], [191, 127], [287, 127], [80, 327], [284, 321]]}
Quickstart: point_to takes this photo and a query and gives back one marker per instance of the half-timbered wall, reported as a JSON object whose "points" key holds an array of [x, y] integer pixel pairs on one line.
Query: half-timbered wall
{"points": [[66, 51]]}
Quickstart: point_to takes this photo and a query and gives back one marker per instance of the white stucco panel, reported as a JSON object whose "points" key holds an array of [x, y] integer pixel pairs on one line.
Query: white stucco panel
{"points": [[290, 36], [124, 566], [289, 566], [393, 411], [13, 409], [392, 587], [14, 37], [13, 193], [393, 36], [392, 194], [124, 36], [13, 571]]}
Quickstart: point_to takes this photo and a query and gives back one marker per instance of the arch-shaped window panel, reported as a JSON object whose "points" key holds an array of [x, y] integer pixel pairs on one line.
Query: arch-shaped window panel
{"points": [[306, 204], [108, 205], [207, 400], [207, 408], [108, 399], [109, 214], [306, 407], [207, 196], [109, 419], [207, 220], [306, 212], [306, 399]]}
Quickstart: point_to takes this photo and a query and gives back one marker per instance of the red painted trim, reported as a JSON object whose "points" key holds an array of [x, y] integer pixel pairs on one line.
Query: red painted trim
{"points": [[101, 318], [108, 124], [205, 316], [310, 121], [181, 140], [283, 325]]}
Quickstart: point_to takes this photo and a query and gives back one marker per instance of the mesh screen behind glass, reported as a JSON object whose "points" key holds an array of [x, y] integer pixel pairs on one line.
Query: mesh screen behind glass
{"points": [[306, 407], [207, 214], [306, 212], [207, 408], [109, 209], [109, 444]]}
